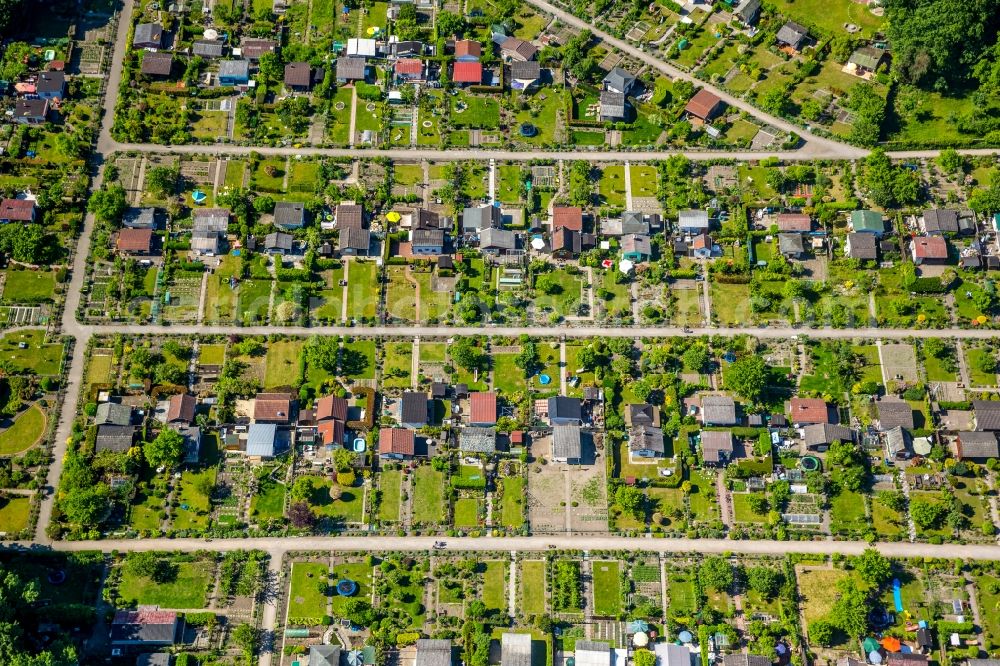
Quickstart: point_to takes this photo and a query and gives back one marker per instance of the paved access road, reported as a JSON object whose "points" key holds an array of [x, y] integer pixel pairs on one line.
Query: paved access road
{"points": [[587, 331], [279, 546]]}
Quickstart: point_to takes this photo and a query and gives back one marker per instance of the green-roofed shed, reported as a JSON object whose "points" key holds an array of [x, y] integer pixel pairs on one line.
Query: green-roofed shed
{"points": [[869, 221]]}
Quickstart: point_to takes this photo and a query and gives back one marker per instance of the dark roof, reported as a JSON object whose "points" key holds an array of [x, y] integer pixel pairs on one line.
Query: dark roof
{"points": [[529, 70], [157, 64], [138, 218], [825, 433], [862, 245], [324, 655], [894, 413], [791, 244], [978, 444], [792, 34], [941, 220], [234, 69], [207, 48], [433, 652], [481, 218], [640, 414], [620, 80], [144, 626], [564, 238], [428, 219], [113, 413], [278, 240], [31, 108], [255, 48], [612, 104], [413, 408], [742, 659], [351, 69], [646, 438], [503, 239], [563, 407], [477, 440], [748, 11], [355, 238], [987, 414], [349, 215], [427, 237], [718, 409], [566, 442], [716, 445], [298, 74], [289, 213], [148, 33], [52, 82], [519, 47]]}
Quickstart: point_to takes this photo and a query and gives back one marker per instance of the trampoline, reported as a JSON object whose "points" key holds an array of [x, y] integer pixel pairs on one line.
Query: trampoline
{"points": [[809, 464], [528, 130], [57, 577], [685, 637], [346, 587]]}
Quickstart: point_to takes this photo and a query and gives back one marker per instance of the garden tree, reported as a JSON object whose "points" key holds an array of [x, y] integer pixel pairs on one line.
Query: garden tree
{"points": [[950, 161], [776, 101], [747, 377], [868, 105], [270, 68], [758, 503], [850, 611], [466, 354], [589, 358], [886, 184], [300, 515], [937, 43], [322, 352], [15, 58], [28, 243], [643, 658], [528, 359], [177, 350], [987, 200], [935, 347], [204, 485], [696, 357], [874, 567], [166, 450], [263, 203], [250, 347], [449, 23], [150, 565], [246, 638], [547, 283], [821, 632], [765, 581], [894, 499], [987, 362], [167, 373], [631, 500], [716, 573], [576, 56], [580, 186], [86, 506], [793, 289], [352, 362], [162, 180], [108, 203], [781, 492], [852, 464], [359, 612], [18, 647]]}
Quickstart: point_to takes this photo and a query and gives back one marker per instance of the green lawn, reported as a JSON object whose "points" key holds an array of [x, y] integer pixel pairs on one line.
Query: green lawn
{"points": [[680, 588], [433, 352], [14, 514], [730, 303], [362, 289], [607, 592], [193, 511], [495, 586], [398, 364], [349, 508], [567, 292], [187, 590], [428, 495], [390, 483], [612, 186], [365, 348], [37, 356], [24, 433], [742, 511], [475, 112], [467, 512], [973, 357], [512, 504], [21, 286], [283, 363], [532, 582], [269, 502], [885, 520], [305, 599], [847, 511], [360, 573], [507, 377], [702, 498]]}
